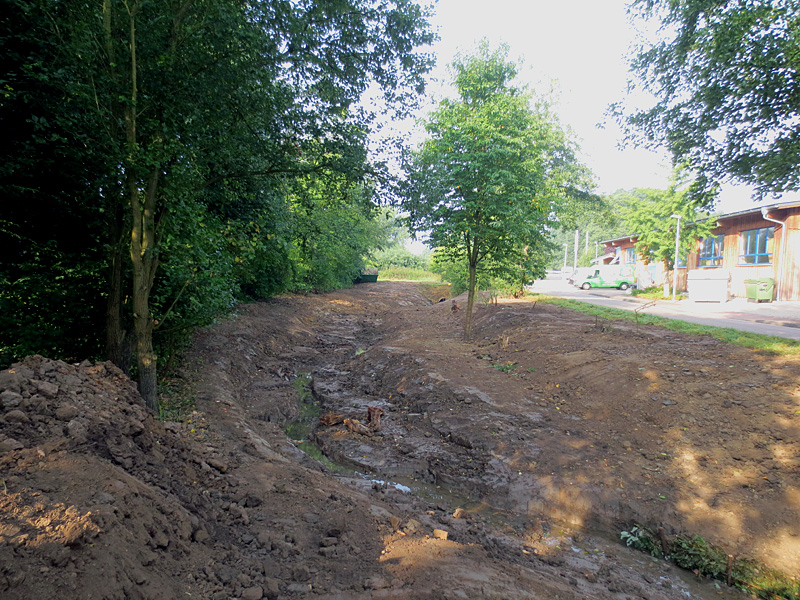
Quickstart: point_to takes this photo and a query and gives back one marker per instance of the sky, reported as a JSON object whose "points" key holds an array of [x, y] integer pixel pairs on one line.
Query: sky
{"points": [[577, 48]]}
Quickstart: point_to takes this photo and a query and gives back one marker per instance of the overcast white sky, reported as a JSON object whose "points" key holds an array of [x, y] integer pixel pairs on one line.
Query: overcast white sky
{"points": [[579, 48]]}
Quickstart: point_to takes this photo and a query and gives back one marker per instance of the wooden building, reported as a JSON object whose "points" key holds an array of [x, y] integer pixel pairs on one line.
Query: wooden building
{"points": [[750, 244]]}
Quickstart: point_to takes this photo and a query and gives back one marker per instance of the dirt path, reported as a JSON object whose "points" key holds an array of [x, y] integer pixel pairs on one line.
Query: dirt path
{"points": [[550, 432], [551, 415]]}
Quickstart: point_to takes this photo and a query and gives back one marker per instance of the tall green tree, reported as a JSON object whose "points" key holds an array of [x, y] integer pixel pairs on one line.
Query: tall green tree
{"points": [[726, 78], [492, 172]]}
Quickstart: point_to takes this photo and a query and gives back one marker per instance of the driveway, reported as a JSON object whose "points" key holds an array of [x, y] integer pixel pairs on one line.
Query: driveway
{"points": [[780, 319]]}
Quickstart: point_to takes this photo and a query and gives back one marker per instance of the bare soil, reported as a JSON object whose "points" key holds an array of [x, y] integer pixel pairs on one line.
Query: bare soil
{"points": [[503, 467]]}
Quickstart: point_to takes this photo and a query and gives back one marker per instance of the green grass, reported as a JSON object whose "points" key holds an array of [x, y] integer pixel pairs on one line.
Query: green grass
{"points": [[654, 293], [766, 343], [408, 274]]}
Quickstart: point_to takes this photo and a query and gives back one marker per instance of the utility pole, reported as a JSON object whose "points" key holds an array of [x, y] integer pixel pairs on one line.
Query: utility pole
{"points": [[586, 248], [577, 241], [675, 262]]}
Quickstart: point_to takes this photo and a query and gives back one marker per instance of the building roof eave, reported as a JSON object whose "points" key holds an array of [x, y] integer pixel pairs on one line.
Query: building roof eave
{"points": [[722, 217], [757, 209]]}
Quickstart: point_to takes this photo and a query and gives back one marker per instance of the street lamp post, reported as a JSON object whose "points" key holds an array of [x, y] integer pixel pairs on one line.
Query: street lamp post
{"points": [[565, 255], [675, 263]]}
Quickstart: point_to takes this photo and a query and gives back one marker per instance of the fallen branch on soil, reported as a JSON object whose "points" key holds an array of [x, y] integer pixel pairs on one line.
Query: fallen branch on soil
{"points": [[331, 419], [374, 417], [636, 312], [357, 426]]}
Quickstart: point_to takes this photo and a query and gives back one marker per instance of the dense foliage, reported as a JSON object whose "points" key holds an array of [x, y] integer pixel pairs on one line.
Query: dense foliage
{"points": [[400, 257], [725, 75], [161, 160], [492, 173], [395, 254]]}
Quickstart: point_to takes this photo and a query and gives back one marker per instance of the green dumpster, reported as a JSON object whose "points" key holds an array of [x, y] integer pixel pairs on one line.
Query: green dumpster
{"points": [[760, 290], [368, 275]]}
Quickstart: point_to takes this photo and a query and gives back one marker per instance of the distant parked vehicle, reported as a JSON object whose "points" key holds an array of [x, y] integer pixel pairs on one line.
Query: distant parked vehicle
{"points": [[580, 274], [607, 276]]}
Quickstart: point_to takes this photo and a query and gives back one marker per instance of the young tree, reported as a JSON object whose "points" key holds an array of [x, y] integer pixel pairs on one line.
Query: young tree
{"points": [[650, 215], [727, 82], [492, 173]]}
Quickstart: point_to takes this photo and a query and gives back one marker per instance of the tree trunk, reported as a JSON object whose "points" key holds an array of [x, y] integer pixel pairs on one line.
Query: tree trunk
{"points": [[115, 334], [144, 257], [145, 263], [117, 346], [117, 339], [472, 257], [470, 301], [145, 356]]}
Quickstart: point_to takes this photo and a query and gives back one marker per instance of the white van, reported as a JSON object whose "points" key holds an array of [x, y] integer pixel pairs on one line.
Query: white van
{"points": [[607, 276], [580, 274]]}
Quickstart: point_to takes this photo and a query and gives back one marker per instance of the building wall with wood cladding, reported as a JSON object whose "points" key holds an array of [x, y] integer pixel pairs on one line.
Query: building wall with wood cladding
{"points": [[789, 266], [751, 247], [743, 259]]}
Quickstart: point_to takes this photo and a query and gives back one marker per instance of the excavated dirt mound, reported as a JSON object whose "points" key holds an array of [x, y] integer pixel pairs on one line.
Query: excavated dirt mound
{"points": [[500, 468]]}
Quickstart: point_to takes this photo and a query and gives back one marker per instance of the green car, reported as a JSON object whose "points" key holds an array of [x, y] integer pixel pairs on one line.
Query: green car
{"points": [[614, 277]]}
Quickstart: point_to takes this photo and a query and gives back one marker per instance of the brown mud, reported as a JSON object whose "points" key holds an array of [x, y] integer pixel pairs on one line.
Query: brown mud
{"points": [[504, 467]]}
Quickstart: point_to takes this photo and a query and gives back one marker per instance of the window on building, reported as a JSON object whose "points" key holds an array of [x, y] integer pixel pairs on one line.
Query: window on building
{"points": [[630, 255], [711, 249], [757, 246]]}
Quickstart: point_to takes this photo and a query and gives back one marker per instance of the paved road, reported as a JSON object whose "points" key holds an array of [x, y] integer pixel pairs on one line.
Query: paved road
{"points": [[780, 319]]}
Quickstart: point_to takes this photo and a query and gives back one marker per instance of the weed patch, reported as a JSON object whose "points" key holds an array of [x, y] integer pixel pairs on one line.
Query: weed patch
{"points": [[509, 367], [695, 554], [653, 293]]}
